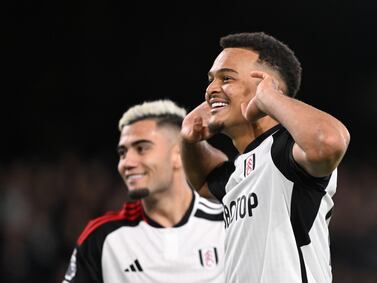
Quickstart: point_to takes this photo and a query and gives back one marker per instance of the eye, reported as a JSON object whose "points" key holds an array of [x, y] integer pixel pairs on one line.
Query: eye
{"points": [[227, 78], [142, 148], [122, 152]]}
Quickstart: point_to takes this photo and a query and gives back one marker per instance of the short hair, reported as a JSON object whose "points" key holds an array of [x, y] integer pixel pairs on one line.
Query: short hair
{"points": [[163, 111], [272, 52]]}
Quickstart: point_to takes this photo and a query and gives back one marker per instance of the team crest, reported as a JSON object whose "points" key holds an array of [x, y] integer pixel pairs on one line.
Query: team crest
{"points": [[249, 165], [208, 257]]}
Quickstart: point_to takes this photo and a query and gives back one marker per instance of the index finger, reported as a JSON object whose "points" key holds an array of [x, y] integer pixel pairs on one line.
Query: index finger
{"points": [[258, 75]]}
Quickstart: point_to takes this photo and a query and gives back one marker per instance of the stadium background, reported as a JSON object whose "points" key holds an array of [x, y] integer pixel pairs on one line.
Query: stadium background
{"points": [[70, 69]]}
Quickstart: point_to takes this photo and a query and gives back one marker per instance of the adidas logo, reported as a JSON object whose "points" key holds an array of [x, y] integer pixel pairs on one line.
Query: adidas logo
{"points": [[134, 267]]}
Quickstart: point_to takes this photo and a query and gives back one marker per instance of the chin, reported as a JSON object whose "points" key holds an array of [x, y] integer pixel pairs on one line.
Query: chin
{"points": [[215, 127], [139, 193]]}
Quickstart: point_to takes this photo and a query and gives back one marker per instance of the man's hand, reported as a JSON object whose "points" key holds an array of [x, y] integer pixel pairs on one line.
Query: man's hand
{"points": [[267, 86], [195, 125], [198, 156]]}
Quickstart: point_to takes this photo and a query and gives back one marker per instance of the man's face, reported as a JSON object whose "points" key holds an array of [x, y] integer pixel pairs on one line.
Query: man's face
{"points": [[146, 156], [230, 84]]}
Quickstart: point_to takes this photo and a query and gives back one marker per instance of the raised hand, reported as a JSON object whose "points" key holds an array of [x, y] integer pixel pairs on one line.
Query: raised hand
{"points": [[195, 125], [267, 86]]}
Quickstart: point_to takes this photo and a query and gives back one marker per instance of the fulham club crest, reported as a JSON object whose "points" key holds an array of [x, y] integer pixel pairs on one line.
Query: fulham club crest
{"points": [[208, 257], [249, 165]]}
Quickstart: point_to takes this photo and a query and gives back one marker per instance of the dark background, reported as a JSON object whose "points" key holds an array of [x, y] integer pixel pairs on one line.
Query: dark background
{"points": [[71, 68], [74, 67]]}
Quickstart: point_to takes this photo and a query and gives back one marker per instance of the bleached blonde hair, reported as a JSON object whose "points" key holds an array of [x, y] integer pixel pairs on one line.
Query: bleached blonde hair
{"points": [[163, 110]]}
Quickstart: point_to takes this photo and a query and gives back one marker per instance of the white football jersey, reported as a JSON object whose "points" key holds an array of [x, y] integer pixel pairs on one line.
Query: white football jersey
{"points": [[127, 246], [276, 215]]}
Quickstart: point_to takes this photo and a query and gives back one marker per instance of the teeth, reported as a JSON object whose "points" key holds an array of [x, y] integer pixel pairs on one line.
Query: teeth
{"points": [[133, 177], [218, 104]]}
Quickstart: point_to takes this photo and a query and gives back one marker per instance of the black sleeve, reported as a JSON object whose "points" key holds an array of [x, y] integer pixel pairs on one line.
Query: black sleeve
{"points": [[307, 190], [282, 156], [218, 178], [85, 263]]}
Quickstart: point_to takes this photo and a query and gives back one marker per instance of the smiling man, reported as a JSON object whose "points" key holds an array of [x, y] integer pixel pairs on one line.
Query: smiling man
{"points": [[277, 194], [166, 232]]}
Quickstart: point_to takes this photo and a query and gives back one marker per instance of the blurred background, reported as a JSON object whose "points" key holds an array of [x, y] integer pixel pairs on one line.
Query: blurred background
{"points": [[71, 68]]}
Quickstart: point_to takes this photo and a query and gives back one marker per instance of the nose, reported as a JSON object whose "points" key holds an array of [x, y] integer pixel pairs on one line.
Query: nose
{"points": [[128, 161], [212, 88]]}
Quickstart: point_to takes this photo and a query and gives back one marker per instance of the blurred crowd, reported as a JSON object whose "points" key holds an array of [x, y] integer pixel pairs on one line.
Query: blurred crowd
{"points": [[45, 205]]}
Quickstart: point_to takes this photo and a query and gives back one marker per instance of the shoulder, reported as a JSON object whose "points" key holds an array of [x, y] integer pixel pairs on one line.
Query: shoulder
{"points": [[218, 178], [130, 215], [282, 156], [209, 210]]}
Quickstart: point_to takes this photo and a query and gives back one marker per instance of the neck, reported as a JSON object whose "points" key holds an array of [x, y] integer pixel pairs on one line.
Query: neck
{"points": [[168, 208], [246, 133]]}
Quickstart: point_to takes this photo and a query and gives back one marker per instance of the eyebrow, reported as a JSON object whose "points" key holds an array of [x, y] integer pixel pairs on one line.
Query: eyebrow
{"points": [[222, 70], [135, 143]]}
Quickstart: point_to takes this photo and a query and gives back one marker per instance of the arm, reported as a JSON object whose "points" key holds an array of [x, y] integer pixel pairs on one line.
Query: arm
{"points": [[320, 139], [82, 269], [199, 157]]}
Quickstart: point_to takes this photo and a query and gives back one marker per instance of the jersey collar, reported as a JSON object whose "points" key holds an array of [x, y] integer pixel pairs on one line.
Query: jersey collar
{"points": [[182, 222], [262, 137]]}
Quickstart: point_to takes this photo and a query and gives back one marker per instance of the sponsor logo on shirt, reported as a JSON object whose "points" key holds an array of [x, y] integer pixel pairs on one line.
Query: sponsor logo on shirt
{"points": [[208, 257], [240, 208], [134, 267]]}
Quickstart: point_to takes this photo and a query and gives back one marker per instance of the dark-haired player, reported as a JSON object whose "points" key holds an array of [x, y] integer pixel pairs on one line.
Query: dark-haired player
{"points": [[277, 194]]}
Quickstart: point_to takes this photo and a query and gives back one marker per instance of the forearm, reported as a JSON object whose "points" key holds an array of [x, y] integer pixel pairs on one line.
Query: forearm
{"points": [[199, 159], [321, 140]]}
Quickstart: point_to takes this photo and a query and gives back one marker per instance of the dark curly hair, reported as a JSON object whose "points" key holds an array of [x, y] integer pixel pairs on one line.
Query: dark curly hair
{"points": [[271, 52]]}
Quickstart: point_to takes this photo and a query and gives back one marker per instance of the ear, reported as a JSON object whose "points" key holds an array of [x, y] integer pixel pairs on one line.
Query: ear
{"points": [[176, 156]]}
